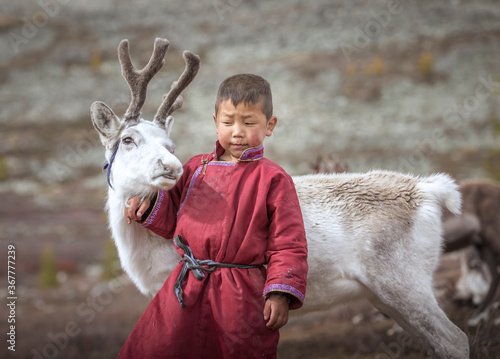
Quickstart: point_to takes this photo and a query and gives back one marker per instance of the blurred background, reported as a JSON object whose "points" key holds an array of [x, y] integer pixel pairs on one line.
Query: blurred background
{"points": [[411, 86]]}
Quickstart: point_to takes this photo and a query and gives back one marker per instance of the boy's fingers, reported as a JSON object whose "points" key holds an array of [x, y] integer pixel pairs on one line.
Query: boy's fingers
{"points": [[143, 208], [271, 323], [275, 312], [126, 212], [284, 320], [273, 316], [274, 321], [133, 204], [131, 208], [267, 308], [281, 320]]}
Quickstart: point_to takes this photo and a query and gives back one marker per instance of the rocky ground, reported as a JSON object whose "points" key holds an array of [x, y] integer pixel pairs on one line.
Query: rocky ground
{"points": [[401, 85]]}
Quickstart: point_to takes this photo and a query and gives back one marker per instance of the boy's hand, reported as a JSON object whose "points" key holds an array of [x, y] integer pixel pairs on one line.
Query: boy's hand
{"points": [[135, 209], [276, 311]]}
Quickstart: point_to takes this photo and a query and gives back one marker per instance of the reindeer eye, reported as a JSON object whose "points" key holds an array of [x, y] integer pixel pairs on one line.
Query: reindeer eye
{"points": [[128, 140]]}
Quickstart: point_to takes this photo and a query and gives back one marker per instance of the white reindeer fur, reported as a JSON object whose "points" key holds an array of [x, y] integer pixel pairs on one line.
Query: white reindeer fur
{"points": [[344, 227], [376, 235], [147, 258]]}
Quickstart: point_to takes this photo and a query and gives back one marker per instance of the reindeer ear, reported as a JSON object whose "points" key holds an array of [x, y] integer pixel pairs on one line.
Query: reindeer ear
{"points": [[106, 123], [169, 122]]}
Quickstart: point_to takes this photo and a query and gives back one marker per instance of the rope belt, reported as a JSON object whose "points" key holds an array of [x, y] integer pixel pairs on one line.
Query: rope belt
{"points": [[198, 267]]}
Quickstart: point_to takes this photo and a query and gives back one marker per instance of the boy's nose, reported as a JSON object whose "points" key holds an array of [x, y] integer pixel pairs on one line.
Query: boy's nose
{"points": [[238, 131]]}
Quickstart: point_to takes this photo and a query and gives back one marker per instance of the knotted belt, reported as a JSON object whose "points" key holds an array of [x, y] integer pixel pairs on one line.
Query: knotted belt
{"points": [[197, 267]]}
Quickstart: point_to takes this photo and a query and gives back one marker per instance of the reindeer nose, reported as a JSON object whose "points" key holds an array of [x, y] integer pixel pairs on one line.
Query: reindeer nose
{"points": [[169, 170], [165, 166]]}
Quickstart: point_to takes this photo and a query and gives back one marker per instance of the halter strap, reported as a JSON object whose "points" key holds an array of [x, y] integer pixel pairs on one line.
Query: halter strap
{"points": [[108, 165]]}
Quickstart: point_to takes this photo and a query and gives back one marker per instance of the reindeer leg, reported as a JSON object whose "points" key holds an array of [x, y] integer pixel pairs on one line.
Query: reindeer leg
{"points": [[481, 313], [416, 310], [399, 276]]}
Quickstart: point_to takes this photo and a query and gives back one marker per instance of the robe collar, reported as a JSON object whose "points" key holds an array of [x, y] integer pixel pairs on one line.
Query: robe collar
{"points": [[250, 154]]}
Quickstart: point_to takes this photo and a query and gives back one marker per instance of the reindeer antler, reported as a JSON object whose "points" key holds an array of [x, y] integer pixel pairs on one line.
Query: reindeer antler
{"points": [[138, 80], [173, 101]]}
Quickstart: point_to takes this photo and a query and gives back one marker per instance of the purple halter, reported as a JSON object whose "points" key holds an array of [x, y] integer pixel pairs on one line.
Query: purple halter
{"points": [[108, 165]]}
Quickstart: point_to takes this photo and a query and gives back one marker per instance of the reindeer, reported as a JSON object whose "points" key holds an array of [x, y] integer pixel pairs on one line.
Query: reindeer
{"points": [[478, 226], [140, 153], [376, 235]]}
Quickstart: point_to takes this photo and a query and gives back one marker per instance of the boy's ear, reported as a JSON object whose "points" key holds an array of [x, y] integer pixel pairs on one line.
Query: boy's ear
{"points": [[271, 124], [215, 120]]}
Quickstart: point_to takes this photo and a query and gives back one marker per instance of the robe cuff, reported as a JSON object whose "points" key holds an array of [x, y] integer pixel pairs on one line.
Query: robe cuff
{"points": [[297, 296], [155, 209]]}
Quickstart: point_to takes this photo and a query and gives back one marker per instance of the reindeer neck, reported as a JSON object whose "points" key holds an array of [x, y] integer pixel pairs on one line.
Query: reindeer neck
{"points": [[117, 222]]}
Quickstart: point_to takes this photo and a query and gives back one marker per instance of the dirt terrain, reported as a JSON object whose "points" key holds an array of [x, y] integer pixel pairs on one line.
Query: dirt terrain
{"points": [[411, 86]]}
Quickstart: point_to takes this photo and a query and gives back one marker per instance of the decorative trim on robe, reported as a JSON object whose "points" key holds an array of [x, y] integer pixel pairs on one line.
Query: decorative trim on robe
{"points": [[250, 154], [156, 208], [284, 288]]}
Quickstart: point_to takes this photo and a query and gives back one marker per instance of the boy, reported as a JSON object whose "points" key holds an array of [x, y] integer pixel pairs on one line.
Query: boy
{"points": [[232, 212]]}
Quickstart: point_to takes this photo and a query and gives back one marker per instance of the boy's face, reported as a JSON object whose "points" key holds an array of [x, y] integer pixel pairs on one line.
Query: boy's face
{"points": [[241, 127]]}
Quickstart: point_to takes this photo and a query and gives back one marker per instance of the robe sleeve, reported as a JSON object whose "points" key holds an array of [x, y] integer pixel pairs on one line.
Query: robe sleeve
{"points": [[286, 253], [162, 219]]}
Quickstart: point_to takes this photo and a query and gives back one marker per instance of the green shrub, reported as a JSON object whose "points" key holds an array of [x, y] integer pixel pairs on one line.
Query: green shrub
{"points": [[48, 269], [3, 169], [111, 263]]}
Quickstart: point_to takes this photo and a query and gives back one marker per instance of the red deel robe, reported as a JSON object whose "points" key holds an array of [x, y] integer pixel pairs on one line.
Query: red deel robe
{"points": [[245, 213]]}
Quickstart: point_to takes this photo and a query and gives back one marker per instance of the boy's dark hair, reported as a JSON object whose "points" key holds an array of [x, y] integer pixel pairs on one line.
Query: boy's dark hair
{"points": [[246, 88]]}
